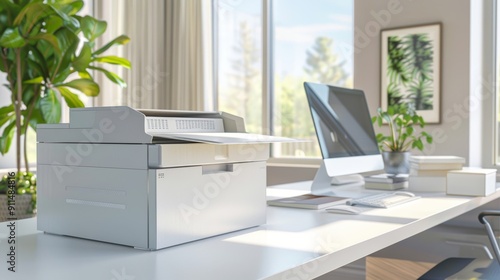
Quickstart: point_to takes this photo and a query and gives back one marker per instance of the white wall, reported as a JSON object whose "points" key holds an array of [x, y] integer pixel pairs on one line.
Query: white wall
{"points": [[451, 136]]}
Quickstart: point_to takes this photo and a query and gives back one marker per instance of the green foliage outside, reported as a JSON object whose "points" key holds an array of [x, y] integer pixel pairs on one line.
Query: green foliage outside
{"points": [[48, 53], [292, 114], [243, 97], [409, 71]]}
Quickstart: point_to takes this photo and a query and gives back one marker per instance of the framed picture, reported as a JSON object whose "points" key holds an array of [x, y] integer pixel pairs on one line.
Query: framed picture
{"points": [[410, 73]]}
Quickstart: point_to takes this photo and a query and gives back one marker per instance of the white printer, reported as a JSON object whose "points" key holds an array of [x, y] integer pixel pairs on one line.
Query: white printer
{"points": [[150, 178]]}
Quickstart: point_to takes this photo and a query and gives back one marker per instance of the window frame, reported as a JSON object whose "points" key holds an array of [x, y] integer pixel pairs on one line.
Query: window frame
{"points": [[483, 122]]}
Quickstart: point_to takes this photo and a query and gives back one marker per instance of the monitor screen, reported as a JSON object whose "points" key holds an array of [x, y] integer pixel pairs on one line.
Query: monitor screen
{"points": [[342, 121]]}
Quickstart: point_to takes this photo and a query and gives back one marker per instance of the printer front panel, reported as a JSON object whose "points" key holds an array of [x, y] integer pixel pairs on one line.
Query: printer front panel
{"points": [[202, 201], [129, 156], [105, 204]]}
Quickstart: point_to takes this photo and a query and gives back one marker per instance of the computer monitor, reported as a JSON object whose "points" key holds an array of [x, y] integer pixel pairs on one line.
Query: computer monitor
{"points": [[345, 135]]}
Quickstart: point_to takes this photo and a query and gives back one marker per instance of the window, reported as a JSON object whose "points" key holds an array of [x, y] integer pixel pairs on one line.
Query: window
{"points": [[308, 41]]}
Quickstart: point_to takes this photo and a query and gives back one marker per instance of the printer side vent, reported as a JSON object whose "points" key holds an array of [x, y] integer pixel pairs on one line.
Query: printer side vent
{"points": [[174, 124]]}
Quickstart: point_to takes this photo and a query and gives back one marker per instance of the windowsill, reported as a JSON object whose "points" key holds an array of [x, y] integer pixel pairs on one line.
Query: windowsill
{"points": [[294, 162]]}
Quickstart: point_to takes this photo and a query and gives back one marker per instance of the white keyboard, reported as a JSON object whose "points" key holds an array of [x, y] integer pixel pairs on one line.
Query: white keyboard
{"points": [[384, 200]]}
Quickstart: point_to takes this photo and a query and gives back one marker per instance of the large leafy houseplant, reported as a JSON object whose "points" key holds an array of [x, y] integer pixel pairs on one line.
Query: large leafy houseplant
{"points": [[49, 54]]}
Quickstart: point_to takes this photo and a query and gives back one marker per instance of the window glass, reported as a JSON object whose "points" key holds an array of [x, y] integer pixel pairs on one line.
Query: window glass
{"points": [[239, 60], [312, 42]]}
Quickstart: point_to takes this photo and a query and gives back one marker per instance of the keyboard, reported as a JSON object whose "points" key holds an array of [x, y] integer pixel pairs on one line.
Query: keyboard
{"points": [[384, 200]]}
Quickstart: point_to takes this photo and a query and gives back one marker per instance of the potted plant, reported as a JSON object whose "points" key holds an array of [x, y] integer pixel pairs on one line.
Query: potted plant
{"points": [[395, 146], [49, 54]]}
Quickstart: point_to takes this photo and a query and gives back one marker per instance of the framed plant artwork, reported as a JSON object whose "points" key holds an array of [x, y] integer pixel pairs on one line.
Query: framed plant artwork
{"points": [[410, 69]]}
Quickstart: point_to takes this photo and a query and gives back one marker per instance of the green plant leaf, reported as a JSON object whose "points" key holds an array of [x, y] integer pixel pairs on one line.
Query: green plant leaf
{"points": [[51, 39], [111, 76], [418, 144], [11, 7], [111, 59], [69, 43], [6, 109], [33, 12], [61, 76], [37, 61], [36, 116], [120, 40], [92, 28], [88, 87], [37, 80], [6, 118], [51, 107], [71, 99], [6, 139], [85, 75], [71, 21], [12, 39], [72, 7], [83, 60], [53, 23], [409, 130], [67, 40], [28, 93]]}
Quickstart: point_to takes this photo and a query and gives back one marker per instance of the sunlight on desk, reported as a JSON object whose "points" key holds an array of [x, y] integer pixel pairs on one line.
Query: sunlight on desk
{"points": [[323, 239]]}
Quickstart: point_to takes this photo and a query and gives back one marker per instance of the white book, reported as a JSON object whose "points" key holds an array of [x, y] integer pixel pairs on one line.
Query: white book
{"points": [[437, 159], [386, 178], [308, 201], [429, 172], [436, 166], [386, 186]]}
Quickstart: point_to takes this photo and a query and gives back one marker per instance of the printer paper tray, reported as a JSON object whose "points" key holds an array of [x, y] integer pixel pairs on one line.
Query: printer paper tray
{"points": [[224, 138]]}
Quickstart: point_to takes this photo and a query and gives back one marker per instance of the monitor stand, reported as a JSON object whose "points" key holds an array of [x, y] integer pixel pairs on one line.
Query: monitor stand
{"points": [[323, 184]]}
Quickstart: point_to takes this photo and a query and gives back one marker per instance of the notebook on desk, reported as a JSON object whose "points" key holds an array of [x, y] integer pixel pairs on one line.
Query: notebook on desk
{"points": [[308, 201]]}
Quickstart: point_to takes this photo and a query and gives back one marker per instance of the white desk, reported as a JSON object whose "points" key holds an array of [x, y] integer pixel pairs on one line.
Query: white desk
{"points": [[294, 244]]}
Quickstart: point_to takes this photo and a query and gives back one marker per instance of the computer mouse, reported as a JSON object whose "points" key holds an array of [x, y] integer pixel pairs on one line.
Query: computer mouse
{"points": [[343, 209], [405, 193]]}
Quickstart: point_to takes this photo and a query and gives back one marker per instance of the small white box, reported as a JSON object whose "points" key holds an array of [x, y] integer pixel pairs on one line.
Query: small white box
{"points": [[474, 182]]}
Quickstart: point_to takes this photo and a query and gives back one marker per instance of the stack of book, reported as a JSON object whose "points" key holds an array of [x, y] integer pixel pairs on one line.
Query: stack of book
{"points": [[386, 181], [308, 201], [428, 173]]}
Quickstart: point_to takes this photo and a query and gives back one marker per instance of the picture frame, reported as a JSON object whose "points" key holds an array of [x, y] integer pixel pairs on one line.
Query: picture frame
{"points": [[411, 69]]}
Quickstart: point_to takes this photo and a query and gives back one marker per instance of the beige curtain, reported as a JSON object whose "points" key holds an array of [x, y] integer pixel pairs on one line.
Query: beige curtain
{"points": [[169, 51]]}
